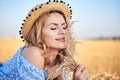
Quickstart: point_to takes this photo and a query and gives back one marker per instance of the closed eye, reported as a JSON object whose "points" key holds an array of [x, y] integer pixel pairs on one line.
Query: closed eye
{"points": [[64, 27], [53, 28]]}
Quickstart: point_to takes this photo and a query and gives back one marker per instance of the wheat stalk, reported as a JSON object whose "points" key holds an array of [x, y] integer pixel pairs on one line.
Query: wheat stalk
{"points": [[104, 76], [67, 65]]}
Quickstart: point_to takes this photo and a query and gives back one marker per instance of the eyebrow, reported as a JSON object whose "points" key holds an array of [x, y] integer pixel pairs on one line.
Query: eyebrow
{"points": [[56, 24]]}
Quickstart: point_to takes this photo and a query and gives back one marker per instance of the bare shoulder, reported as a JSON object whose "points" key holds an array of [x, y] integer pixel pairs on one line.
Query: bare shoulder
{"points": [[34, 55]]}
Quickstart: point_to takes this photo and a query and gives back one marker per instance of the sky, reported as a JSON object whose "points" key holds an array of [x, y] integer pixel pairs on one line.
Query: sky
{"points": [[95, 18]]}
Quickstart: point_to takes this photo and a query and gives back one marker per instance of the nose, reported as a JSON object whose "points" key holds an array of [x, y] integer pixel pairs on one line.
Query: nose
{"points": [[62, 31]]}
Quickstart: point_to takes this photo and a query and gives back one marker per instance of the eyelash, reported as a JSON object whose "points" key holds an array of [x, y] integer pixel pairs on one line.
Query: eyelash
{"points": [[52, 28], [64, 27], [55, 28]]}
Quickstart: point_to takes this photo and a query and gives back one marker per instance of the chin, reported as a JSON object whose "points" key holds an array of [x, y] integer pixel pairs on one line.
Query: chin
{"points": [[61, 47]]}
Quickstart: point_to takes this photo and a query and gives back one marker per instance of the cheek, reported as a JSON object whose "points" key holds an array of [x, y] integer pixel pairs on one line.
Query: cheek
{"points": [[48, 36]]}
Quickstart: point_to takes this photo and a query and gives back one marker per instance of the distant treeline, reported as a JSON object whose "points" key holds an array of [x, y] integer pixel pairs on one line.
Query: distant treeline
{"points": [[107, 38]]}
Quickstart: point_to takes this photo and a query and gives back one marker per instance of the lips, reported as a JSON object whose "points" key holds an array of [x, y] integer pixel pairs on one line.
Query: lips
{"points": [[60, 39]]}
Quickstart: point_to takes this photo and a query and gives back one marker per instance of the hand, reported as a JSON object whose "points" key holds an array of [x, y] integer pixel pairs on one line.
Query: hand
{"points": [[81, 73]]}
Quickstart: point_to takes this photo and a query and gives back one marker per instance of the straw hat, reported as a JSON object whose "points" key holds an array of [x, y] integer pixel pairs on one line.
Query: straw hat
{"points": [[41, 9]]}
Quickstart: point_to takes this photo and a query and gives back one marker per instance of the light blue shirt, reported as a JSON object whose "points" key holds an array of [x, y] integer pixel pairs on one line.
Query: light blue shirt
{"points": [[19, 68]]}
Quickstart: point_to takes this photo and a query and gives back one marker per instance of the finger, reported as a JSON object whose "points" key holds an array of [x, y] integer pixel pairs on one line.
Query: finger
{"points": [[76, 75], [78, 72], [83, 75], [88, 77], [81, 67]]}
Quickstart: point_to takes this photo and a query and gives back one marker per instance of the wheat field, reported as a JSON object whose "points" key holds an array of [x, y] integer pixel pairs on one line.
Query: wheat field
{"points": [[101, 57]]}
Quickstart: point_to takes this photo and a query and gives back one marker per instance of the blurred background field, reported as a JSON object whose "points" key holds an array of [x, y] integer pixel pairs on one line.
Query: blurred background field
{"points": [[8, 47], [99, 56]]}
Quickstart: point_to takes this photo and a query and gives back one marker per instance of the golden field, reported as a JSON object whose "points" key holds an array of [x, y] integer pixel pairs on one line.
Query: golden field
{"points": [[99, 56]]}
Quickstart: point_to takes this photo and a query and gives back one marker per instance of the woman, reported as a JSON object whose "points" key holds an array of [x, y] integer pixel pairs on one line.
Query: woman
{"points": [[48, 52]]}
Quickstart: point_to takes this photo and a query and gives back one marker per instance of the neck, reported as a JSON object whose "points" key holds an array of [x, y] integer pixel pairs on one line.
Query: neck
{"points": [[52, 56], [53, 53]]}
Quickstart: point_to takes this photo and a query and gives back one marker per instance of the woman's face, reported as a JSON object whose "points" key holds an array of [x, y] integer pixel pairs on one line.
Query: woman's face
{"points": [[54, 30]]}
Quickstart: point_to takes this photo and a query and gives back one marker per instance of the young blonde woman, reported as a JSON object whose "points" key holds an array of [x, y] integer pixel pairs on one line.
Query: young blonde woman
{"points": [[49, 49]]}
